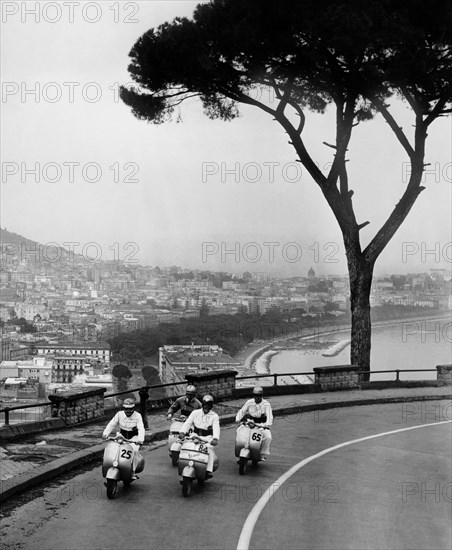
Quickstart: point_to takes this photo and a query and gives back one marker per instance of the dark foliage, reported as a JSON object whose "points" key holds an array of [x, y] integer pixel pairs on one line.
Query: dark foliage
{"points": [[349, 54]]}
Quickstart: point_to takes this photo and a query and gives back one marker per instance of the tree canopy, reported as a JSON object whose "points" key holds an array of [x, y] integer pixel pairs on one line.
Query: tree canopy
{"points": [[349, 54], [312, 52]]}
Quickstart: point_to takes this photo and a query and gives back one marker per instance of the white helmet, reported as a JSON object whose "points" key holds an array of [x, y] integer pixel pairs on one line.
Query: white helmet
{"points": [[207, 401]]}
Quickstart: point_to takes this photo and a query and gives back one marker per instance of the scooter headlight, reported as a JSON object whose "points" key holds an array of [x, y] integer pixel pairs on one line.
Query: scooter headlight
{"points": [[115, 463]]}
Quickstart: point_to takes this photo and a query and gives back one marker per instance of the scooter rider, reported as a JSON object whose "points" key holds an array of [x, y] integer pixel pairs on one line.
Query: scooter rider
{"points": [[259, 411], [206, 424], [186, 404], [130, 424]]}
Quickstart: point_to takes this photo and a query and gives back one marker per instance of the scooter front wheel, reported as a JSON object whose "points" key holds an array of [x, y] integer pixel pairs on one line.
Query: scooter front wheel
{"points": [[174, 458], [187, 483], [243, 462], [112, 488]]}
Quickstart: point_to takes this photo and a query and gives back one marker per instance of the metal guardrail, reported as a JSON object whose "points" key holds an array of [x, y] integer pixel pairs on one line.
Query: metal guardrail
{"points": [[6, 410], [366, 372], [142, 388]]}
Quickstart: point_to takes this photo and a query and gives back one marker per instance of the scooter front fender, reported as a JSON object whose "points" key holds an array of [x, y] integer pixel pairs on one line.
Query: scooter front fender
{"points": [[176, 446], [189, 471], [245, 453], [113, 473]]}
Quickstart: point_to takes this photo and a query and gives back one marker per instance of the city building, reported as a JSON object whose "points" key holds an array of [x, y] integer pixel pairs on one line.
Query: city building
{"points": [[27, 379], [37, 369], [87, 351], [177, 361], [72, 359]]}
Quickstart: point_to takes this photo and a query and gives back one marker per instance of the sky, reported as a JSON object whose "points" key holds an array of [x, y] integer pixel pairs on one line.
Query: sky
{"points": [[80, 171]]}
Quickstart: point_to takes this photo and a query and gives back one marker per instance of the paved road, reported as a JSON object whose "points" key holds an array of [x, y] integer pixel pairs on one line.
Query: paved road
{"points": [[392, 491]]}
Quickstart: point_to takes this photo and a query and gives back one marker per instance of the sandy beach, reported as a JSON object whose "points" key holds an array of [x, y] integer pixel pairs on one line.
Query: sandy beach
{"points": [[256, 357]]}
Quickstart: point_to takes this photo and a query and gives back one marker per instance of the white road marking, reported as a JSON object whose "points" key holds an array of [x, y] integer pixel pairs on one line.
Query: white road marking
{"points": [[253, 516]]}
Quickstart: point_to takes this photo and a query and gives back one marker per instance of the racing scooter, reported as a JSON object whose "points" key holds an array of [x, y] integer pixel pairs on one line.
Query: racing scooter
{"points": [[248, 444], [117, 463], [193, 458], [174, 443]]}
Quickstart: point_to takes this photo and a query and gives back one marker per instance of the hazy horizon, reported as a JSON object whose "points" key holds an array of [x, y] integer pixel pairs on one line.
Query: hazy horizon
{"points": [[221, 256], [77, 166]]}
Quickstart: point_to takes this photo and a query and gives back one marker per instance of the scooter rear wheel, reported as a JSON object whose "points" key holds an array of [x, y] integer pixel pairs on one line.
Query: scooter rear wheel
{"points": [[112, 488], [187, 483], [243, 462], [174, 458]]}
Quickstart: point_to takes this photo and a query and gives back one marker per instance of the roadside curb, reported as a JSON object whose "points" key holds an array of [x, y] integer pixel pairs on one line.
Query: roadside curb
{"points": [[62, 465], [9, 487]]}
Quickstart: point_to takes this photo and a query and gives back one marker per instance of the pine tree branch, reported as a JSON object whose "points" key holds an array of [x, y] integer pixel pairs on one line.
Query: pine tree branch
{"points": [[380, 106]]}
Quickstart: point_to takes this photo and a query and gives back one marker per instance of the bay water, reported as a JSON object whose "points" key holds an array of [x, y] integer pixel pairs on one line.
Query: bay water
{"points": [[401, 345]]}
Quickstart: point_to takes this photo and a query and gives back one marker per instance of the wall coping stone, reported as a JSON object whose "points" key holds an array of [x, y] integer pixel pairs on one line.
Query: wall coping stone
{"points": [[56, 399], [209, 375], [336, 368], [443, 368]]}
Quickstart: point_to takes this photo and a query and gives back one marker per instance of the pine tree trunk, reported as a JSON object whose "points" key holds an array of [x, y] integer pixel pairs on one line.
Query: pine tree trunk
{"points": [[360, 274], [361, 324]]}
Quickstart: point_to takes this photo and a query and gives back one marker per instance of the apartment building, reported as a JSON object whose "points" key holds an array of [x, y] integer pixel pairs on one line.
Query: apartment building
{"points": [[177, 361]]}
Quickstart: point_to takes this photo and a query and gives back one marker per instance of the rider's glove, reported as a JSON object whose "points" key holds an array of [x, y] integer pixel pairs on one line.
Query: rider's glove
{"points": [[169, 416], [104, 436], [214, 442], [181, 435]]}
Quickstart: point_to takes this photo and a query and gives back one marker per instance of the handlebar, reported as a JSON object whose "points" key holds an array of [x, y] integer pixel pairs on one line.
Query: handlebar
{"points": [[121, 438], [193, 437], [251, 424], [188, 436]]}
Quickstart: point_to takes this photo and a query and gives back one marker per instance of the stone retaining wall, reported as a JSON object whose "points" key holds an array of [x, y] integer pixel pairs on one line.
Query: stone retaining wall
{"points": [[78, 407], [86, 406], [218, 384], [338, 377], [444, 374]]}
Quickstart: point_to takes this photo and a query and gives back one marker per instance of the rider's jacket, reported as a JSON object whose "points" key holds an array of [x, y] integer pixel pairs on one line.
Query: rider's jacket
{"points": [[203, 424], [261, 413], [186, 407], [129, 426]]}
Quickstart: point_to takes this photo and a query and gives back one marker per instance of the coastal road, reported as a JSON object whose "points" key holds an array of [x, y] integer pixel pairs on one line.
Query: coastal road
{"points": [[329, 485]]}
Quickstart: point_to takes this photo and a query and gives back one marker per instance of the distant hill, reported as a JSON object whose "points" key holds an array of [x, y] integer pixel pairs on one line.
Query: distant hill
{"points": [[27, 246], [8, 237]]}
